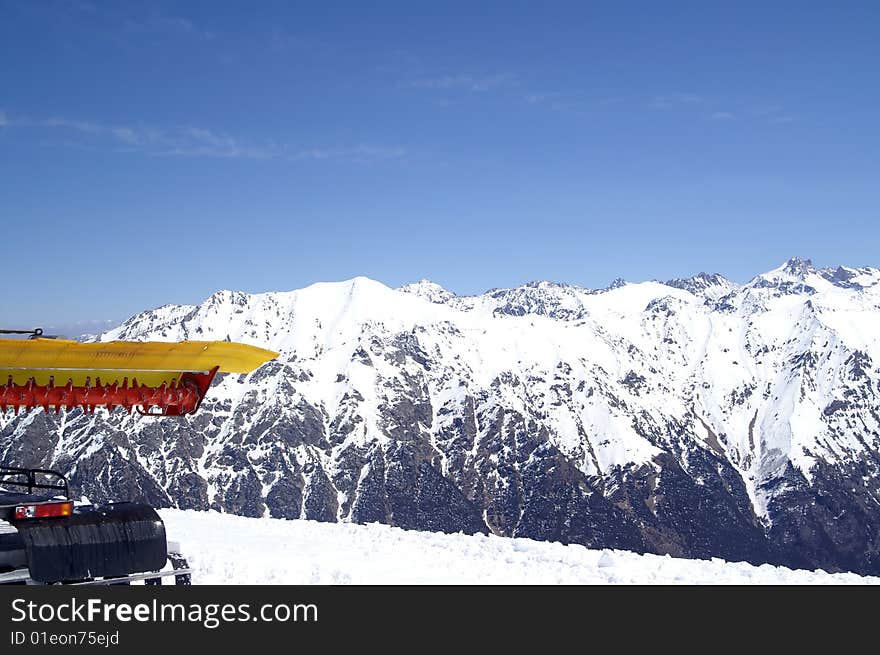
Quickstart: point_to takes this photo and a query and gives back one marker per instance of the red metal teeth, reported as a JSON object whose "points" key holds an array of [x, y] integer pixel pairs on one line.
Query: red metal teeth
{"points": [[176, 399]]}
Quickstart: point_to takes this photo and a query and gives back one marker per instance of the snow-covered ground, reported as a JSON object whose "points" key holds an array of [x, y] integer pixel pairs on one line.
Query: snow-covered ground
{"points": [[227, 549]]}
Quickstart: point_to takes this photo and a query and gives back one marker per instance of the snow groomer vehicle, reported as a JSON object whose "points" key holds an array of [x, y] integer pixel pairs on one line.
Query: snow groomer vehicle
{"points": [[46, 537]]}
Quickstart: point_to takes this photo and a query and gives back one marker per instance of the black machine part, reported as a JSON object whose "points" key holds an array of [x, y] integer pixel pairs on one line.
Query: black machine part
{"points": [[107, 541]]}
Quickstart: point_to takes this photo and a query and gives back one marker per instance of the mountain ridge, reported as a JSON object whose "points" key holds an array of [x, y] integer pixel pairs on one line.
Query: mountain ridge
{"points": [[696, 417]]}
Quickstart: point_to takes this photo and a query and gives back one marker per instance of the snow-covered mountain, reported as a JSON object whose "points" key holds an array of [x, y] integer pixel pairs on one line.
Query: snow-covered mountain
{"points": [[696, 417]]}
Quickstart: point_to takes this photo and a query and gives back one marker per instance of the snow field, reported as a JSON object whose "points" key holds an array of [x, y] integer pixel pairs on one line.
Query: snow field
{"points": [[228, 549]]}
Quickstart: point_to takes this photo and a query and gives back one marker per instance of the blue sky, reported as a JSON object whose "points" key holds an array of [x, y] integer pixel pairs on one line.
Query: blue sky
{"points": [[154, 152]]}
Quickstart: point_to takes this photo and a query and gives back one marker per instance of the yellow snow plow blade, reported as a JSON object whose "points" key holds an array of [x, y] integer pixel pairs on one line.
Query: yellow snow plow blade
{"points": [[151, 363], [154, 378]]}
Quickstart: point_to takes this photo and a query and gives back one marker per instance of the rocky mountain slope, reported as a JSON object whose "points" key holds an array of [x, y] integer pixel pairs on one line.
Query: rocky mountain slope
{"points": [[695, 417]]}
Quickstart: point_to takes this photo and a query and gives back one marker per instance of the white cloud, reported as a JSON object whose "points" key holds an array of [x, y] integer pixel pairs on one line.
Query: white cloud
{"points": [[211, 139], [164, 25], [675, 100], [544, 98], [199, 142], [360, 153], [464, 82], [135, 136], [773, 114]]}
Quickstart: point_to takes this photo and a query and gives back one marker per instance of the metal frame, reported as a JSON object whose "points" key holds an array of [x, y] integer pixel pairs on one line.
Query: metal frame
{"points": [[36, 333], [181, 577], [31, 483]]}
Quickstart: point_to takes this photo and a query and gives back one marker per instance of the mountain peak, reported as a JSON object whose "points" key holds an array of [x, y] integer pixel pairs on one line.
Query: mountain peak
{"points": [[428, 290], [712, 285], [227, 296], [547, 284], [798, 267], [699, 282], [796, 276]]}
